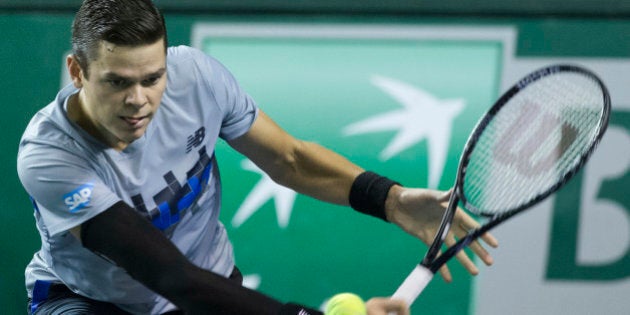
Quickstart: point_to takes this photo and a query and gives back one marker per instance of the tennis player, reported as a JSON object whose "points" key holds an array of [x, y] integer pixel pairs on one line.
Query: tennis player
{"points": [[121, 170]]}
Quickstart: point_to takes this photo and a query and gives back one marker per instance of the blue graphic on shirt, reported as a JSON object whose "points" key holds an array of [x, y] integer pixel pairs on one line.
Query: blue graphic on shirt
{"points": [[175, 198], [78, 198]]}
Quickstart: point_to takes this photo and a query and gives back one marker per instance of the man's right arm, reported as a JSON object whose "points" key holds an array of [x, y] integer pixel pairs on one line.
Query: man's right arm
{"points": [[125, 237]]}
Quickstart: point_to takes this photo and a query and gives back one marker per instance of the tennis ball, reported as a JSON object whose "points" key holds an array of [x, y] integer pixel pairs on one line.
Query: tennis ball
{"points": [[345, 304]]}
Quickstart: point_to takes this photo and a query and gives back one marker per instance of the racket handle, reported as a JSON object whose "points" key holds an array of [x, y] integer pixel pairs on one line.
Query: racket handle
{"points": [[416, 281]]}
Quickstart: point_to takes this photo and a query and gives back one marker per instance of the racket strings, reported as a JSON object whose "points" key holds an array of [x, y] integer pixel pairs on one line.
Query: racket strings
{"points": [[532, 142]]}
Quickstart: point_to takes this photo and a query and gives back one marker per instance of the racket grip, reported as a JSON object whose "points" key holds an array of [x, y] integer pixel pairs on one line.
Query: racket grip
{"points": [[416, 281]]}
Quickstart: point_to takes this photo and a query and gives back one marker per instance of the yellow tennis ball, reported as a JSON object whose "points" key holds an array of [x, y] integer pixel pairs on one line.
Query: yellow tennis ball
{"points": [[345, 304]]}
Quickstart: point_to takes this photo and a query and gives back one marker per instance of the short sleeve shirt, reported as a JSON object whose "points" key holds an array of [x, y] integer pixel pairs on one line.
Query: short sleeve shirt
{"points": [[169, 175]]}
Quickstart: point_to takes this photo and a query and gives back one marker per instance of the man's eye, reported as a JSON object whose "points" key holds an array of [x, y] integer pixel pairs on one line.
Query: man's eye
{"points": [[117, 83], [150, 81]]}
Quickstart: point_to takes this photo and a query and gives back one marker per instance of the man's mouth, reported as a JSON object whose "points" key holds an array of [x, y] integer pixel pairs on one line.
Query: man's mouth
{"points": [[135, 121]]}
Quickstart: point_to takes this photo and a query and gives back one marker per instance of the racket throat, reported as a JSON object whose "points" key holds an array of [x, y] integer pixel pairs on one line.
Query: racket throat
{"points": [[445, 226]]}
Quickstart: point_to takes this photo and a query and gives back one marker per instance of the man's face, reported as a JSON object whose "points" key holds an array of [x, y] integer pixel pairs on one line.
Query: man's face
{"points": [[122, 92]]}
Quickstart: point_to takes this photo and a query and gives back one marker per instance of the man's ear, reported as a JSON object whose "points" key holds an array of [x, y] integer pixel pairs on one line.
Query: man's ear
{"points": [[75, 71]]}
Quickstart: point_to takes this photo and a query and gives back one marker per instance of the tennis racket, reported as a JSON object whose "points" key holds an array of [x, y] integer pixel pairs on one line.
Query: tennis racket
{"points": [[528, 145]]}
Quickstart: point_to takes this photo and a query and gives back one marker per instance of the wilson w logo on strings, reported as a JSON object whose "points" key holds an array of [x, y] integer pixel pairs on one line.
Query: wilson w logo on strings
{"points": [[535, 142]]}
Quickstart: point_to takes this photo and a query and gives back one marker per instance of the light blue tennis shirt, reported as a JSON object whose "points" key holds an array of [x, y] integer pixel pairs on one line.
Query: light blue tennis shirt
{"points": [[169, 175]]}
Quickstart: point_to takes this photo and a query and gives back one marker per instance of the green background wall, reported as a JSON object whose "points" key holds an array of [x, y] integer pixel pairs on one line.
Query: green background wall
{"points": [[373, 7], [36, 36]]}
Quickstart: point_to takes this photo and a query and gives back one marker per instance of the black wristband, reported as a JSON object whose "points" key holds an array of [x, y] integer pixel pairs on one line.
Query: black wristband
{"points": [[369, 192], [295, 309]]}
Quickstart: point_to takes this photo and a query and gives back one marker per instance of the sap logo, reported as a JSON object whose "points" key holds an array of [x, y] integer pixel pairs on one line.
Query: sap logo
{"points": [[79, 198]]}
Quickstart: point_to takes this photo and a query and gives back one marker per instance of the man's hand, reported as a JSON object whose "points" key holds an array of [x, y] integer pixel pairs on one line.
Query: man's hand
{"points": [[385, 306], [419, 212]]}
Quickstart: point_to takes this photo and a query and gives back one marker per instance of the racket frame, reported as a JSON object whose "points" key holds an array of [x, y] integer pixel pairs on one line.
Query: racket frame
{"points": [[496, 219], [422, 274]]}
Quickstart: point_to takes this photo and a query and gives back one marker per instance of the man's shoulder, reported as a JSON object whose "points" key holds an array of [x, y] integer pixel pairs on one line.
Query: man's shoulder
{"points": [[46, 122], [189, 68], [183, 52], [50, 126]]}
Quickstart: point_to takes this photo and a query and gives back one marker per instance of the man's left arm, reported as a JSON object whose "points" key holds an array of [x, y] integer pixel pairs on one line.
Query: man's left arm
{"points": [[305, 167], [311, 169]]}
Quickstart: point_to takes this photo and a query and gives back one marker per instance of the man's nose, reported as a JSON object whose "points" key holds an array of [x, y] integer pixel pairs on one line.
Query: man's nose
{"points": [[136, 96]]}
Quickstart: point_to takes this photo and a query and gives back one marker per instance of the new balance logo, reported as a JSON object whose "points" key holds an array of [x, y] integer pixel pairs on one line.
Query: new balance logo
{"points": [[196, 139]]}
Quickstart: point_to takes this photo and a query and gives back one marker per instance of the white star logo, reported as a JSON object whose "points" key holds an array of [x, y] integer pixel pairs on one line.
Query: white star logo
{"points": [[422, 116], [264, 190]]}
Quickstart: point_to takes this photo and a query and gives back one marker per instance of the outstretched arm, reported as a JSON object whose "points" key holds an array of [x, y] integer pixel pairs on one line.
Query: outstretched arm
{"points": [[133, 243], [318, 172], [305, 167]]}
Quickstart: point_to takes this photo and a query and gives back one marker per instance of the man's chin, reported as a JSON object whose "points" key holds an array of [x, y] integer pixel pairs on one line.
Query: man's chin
{"points": [[133, 136]]}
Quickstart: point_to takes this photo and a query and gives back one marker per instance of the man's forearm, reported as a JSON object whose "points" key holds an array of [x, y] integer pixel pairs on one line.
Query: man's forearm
{"points": [[126, 238], [322, 174]]}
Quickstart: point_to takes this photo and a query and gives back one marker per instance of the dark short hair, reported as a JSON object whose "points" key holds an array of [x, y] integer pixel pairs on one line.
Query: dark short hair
{"points": [[120, 22]]}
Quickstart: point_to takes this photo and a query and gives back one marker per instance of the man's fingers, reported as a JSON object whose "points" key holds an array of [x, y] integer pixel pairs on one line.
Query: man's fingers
{"points": [[445, 273], [482, 253], [397, 306], [446, 196], [386, 306], [490, 240], [465, 261], [461, 256], [476, 246]]}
